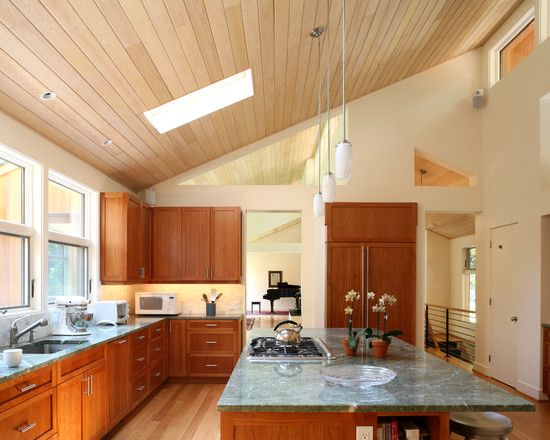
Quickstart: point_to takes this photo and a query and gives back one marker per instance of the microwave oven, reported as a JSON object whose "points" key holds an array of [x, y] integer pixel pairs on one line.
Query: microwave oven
{"points": [[152, 303]]}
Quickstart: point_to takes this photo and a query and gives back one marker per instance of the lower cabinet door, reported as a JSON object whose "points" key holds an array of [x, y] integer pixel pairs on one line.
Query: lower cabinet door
{"points": [[32, 419], [94, 404], [69, 407], [140, 389]]}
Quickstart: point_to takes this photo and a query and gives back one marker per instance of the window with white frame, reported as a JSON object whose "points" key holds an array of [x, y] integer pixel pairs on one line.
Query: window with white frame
{"points": [[469, 271], [15, 230], [513, 48], [69, 237]]}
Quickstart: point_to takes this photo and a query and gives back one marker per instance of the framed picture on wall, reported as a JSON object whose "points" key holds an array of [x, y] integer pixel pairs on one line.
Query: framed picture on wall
{"points": [[274, 277]]}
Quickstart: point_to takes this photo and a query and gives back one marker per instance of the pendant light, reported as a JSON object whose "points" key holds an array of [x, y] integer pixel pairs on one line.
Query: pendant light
{"points": [[318, 203], [329, 181], [343, 149]]}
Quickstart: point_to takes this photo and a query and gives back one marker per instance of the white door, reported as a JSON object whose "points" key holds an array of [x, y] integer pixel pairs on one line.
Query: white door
{"points": [[504, 295]]}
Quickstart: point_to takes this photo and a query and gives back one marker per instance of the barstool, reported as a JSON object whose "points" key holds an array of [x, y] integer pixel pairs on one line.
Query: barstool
{"points": [[481, 425], [256, 303]]}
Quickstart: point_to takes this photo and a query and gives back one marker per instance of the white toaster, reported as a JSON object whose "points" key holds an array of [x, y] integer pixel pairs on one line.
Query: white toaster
{"points": [[111, 312]]}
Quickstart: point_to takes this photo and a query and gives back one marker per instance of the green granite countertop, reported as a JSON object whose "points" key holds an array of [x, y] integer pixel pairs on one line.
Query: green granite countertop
{"points": [[99, 335], [423, 383], [546, 324]]}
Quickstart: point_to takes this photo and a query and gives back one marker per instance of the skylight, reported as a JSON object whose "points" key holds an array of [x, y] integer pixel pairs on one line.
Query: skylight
{"points": [[201, 102]]}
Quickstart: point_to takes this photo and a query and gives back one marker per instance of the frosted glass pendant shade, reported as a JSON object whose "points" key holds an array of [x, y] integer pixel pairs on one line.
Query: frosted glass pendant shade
{"points": [[343, 160], [318, 205], [329, 187]]}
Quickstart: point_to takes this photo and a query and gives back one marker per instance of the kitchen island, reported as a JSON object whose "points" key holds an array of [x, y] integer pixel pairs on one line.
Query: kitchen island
{"points": [[291, 400]]}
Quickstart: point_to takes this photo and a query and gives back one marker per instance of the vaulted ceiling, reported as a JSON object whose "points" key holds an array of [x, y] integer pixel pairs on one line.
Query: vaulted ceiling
{"points": [[110, 60]]}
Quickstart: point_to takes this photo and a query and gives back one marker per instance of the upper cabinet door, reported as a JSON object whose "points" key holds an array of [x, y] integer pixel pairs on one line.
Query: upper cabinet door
{"points": [[225, 243], [166, 244], [371, 222], [145, 251], [195, 247]]}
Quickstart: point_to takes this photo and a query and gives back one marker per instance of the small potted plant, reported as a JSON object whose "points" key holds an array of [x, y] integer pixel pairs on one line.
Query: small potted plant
{"points": [[351, 343], [380, 339]]}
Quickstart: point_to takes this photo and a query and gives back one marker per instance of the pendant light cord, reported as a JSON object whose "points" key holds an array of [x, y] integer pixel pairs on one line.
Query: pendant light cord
{"points": [[328, 83], [319, 112], [344, 65]]}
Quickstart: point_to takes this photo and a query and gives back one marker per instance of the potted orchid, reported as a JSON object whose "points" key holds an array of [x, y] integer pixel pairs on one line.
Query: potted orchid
{"points": [[354, 336], [380, 338]]}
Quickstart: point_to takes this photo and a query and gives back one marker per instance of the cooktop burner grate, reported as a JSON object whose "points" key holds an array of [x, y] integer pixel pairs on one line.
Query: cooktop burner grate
{"points": [[268, 348]]}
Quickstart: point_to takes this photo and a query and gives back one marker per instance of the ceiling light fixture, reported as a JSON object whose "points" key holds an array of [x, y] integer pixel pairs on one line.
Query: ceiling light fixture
{"points": [[343, 149], [48, 95], [329, 181], [107, 142], [201, 102], [318, 203]]}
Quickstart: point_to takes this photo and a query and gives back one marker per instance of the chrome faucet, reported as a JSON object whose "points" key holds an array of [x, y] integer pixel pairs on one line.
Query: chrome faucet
{"points": [[14, 332]]}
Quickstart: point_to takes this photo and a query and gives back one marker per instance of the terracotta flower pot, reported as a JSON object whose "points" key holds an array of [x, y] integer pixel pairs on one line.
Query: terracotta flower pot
{"points": [[380, 348], [347, 349]]}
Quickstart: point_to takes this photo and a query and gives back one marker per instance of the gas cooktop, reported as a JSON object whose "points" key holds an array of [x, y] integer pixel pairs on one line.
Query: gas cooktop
{"points": [[268, 349]]}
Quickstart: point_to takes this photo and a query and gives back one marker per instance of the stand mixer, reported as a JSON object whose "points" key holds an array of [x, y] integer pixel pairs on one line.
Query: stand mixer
{"points": [[73, 316]]}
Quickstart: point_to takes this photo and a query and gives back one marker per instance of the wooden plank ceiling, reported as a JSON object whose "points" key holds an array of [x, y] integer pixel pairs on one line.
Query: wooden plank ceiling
{"points": [[430, 173], [110, 60], [451, 225]]}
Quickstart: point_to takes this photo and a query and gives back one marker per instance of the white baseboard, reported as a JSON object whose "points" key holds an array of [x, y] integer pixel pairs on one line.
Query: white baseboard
{"points": [[531, 391], [480, 368]]}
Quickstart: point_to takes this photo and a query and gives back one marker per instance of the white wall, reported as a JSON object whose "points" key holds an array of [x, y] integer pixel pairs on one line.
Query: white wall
{"points": [[512, 193], [431, 111], [257, 266], [438, 269], [458, 297]]}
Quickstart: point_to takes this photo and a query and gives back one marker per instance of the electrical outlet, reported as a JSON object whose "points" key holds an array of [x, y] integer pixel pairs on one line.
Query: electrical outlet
{"points": [[364, 433]]}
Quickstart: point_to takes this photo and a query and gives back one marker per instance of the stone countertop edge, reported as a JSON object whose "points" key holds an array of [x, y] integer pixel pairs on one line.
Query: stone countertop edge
{"points": [[32, 362], [546, 324], [424, 383]]}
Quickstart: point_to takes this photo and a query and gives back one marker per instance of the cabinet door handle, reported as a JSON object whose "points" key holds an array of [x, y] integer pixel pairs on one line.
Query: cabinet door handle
{"points": [[158, 329], [140, 359], [157, 349], [211, 325], [141, 338], [206, 273], [27, 387], [211, 365], [122, 341], [211, 342], [157, 374], [87, 390], [140, 388], [26, 427], [91, 385]]}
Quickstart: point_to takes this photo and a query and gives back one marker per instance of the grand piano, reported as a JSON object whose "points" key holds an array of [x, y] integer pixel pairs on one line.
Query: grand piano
{"points": [[285, 290]]}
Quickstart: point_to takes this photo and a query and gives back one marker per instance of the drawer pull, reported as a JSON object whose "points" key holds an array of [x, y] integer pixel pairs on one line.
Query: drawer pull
{"points": [[122, 341], [140, 359], [26, 427], [158, 330], [211, 325], [157, 374], [140, 338], [157, 349], [27, 388], [140, 388], [211, 342], [211, 365]]}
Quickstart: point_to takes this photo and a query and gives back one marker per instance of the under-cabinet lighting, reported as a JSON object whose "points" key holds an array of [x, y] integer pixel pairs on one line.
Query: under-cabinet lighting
{"points": [[201, 102]]}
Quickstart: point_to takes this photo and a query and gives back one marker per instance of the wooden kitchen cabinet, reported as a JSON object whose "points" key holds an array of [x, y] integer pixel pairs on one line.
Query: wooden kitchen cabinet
{"points": [[546, 361], [195, 244], [125, 237], [117, 356], [226, 244], [94, 404], [166, 248], [176, 348]]}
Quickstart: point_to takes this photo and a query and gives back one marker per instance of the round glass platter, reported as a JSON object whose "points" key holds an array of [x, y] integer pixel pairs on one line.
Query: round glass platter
{"points": [[356, 375]]}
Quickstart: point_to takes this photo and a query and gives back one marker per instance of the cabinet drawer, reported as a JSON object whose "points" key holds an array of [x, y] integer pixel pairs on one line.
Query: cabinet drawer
{"points": [[157, 330], [79, 362], [139, 359], [12, 392], [156, 375], [210, 365], [140, 389], [139, 339], [211, 343], [29, 420], [212, 325], [156, 349]]}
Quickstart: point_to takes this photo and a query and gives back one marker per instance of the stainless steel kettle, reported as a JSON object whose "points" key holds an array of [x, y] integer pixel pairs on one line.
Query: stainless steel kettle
{"points": [[288, 332]]}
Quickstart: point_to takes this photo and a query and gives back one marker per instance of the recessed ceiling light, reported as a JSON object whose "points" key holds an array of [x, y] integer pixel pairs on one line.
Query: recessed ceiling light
{"points": [[201, 102], [48, 95], [107, 142]]}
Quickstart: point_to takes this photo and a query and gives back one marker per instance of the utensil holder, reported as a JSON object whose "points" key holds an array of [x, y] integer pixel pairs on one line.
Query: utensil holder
{"points": [[210, 309]]}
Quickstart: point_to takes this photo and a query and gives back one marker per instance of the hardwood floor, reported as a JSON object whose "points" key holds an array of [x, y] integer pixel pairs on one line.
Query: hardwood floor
{"points": [[188, 412]]}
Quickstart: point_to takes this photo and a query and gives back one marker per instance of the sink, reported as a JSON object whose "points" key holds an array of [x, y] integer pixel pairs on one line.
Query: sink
{"points": [[49, 346]]}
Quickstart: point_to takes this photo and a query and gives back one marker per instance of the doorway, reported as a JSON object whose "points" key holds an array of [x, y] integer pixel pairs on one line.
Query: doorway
{"points": [[504, 291], [273, 267]]}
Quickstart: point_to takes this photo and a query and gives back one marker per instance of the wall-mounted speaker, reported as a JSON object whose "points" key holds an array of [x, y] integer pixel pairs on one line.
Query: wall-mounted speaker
{"points": [[478, 99]]}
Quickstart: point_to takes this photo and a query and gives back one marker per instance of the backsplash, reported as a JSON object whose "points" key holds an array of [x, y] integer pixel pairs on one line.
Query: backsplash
{"points": [[39, 332], [189, 295]]}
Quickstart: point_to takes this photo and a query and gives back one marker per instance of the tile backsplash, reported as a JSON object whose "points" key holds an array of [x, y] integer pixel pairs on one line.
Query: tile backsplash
{"points": [[189, 295], [39, 332]]}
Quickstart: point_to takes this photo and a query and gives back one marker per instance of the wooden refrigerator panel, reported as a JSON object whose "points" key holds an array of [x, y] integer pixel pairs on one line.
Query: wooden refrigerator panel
{"points": [[391, 268], [344, 272]]}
